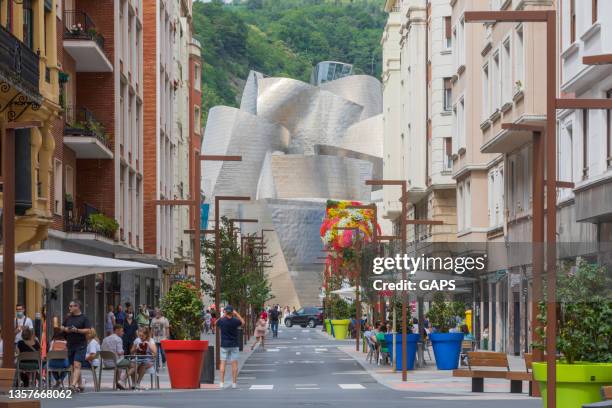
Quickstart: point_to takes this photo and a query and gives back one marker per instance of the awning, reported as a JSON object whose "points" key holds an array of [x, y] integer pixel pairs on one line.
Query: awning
{"points": [[51, 268]]}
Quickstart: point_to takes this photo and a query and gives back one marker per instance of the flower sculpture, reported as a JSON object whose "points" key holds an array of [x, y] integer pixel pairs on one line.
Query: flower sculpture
{"points": [[343, 229]]}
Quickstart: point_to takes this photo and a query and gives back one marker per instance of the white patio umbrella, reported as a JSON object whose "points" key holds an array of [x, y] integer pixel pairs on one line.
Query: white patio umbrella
{"points": [[348, 292], [51, 268]]}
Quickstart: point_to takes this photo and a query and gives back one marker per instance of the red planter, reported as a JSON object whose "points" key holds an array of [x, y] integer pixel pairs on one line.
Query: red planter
{"points": [[185, 359]]}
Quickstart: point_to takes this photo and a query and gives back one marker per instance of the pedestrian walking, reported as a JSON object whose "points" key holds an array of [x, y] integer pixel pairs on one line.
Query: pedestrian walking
{"points": [[119, 315], [143, 317], [130, 331], [160, 326], [260, 331], [110, 320], [274, 316], [228, 324], [76, 326]]}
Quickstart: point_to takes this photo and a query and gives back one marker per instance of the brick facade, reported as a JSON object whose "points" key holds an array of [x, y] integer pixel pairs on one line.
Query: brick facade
{"points": [[150, 121]]}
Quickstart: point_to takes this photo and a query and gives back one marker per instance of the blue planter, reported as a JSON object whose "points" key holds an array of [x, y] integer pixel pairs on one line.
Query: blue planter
{"points": [[447, 348], [411, 349]]}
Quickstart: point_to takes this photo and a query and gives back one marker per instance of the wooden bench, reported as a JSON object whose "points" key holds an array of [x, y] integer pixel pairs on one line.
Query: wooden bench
{"points": [[18, 403], [517, 377], [486, 360]]}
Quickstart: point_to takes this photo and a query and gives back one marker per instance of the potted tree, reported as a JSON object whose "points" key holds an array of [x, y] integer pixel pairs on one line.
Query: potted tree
{"points": [[185, 354], [412, 339], [341, 312], [446, 346], [583, 338]]}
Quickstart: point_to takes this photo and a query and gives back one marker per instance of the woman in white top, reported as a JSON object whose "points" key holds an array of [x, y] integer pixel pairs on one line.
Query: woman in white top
{"points": [[286, 313], [93, 348]]}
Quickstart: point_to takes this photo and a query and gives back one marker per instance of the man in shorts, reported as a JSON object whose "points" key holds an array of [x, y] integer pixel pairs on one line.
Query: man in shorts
{"points": [[76, 326], [230, 338]]}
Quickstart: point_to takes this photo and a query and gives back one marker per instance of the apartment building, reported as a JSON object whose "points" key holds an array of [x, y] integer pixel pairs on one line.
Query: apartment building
{"points": [[585, 137], [195, 126], [393, 161], [29, 96], [168, 133], [97, 166]]}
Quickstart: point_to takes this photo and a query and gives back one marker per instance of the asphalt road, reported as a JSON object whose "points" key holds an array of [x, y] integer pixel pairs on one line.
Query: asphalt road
{"points": [[299, 369]]}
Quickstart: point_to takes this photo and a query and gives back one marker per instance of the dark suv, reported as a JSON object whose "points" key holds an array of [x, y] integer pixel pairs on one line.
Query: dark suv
{"points": [[306, 316]]}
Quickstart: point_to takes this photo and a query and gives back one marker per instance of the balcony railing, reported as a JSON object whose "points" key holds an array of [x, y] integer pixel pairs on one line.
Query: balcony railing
{"points": [[82, 122], [82, 221], [79, 26], [18, 64]]}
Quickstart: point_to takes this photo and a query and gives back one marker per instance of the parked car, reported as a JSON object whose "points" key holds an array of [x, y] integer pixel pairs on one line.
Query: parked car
{"points": [[306, 316]]}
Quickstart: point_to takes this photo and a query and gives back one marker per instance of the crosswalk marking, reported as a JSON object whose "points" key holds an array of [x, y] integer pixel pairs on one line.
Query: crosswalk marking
{"points": [[247, 378], [306, 385], [261, 387], [259, 370], [351, 386], [320, 349], [272, 350]]}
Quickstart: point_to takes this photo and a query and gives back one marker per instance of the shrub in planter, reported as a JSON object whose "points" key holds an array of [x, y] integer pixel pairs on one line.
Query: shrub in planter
{"points": [[340, 317], [183, 307], [102, 224], [584, 336], [446, 346]]}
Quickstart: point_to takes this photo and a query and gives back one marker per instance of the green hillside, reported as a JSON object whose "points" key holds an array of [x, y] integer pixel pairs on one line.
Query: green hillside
{"points": [[282, 38]]}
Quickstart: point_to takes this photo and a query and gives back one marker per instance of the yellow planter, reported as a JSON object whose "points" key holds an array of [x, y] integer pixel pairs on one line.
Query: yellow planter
{"points": [[340, 328]]}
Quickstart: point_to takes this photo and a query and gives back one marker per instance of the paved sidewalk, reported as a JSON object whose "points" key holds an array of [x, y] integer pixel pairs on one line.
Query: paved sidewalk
{"points": [[164, 379], [430, 380]]}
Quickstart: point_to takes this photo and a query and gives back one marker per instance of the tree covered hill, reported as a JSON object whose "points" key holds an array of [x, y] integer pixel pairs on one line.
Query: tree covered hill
{"points": [[282, 38]]}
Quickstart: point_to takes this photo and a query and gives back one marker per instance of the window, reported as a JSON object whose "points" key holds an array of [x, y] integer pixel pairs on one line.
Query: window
{"points": [[485, 92], [461, 40], [468, 205], [69, 181], [448, 94], [28, 24], [448, 154], [196, 75], [57, 187], [572, 21], [460, 208], [448, 35], [462, 123], [491, 199], [565, 161], [519, 59], [585, 144], [594, 11], [196, 119], [495, 84], [506, 72]]}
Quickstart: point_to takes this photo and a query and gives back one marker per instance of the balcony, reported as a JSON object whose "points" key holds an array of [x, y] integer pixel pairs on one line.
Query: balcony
{"points": [[86, 136], [84, 43], [19, 67], [91, 227]]}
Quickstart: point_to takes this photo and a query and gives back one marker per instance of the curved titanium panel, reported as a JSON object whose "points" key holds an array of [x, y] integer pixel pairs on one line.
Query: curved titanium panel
{"points": [[312, 116], [365, 137], [363, 90]]}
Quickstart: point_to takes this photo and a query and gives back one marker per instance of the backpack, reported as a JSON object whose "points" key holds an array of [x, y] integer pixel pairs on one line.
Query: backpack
{"points": [[274, 315]]}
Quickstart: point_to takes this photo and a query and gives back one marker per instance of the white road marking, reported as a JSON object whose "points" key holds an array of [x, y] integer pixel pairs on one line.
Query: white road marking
{"points": [[346, 359], [272, 350], [307, 388], [259, 364], [320, 349], [351, 386], [305, 331], [474, 398], [259, 370], [297, 353], [247, 378], [351, 373], [261, 387], [306, 385]]}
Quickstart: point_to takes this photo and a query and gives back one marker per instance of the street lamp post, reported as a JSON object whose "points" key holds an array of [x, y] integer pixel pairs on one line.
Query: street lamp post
{"points": [[403, 219], [218, 199]]}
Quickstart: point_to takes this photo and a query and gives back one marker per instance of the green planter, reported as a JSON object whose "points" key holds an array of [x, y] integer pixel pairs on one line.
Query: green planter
{"points": [[577, 384], [340, 328], [328, 326]]}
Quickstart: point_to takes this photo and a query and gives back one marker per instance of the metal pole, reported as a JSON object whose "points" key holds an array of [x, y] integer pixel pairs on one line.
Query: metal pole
{"points": [[198, 221], [551, 205], [404, 292], [537, 237], [217, 282], [8, 267]]}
